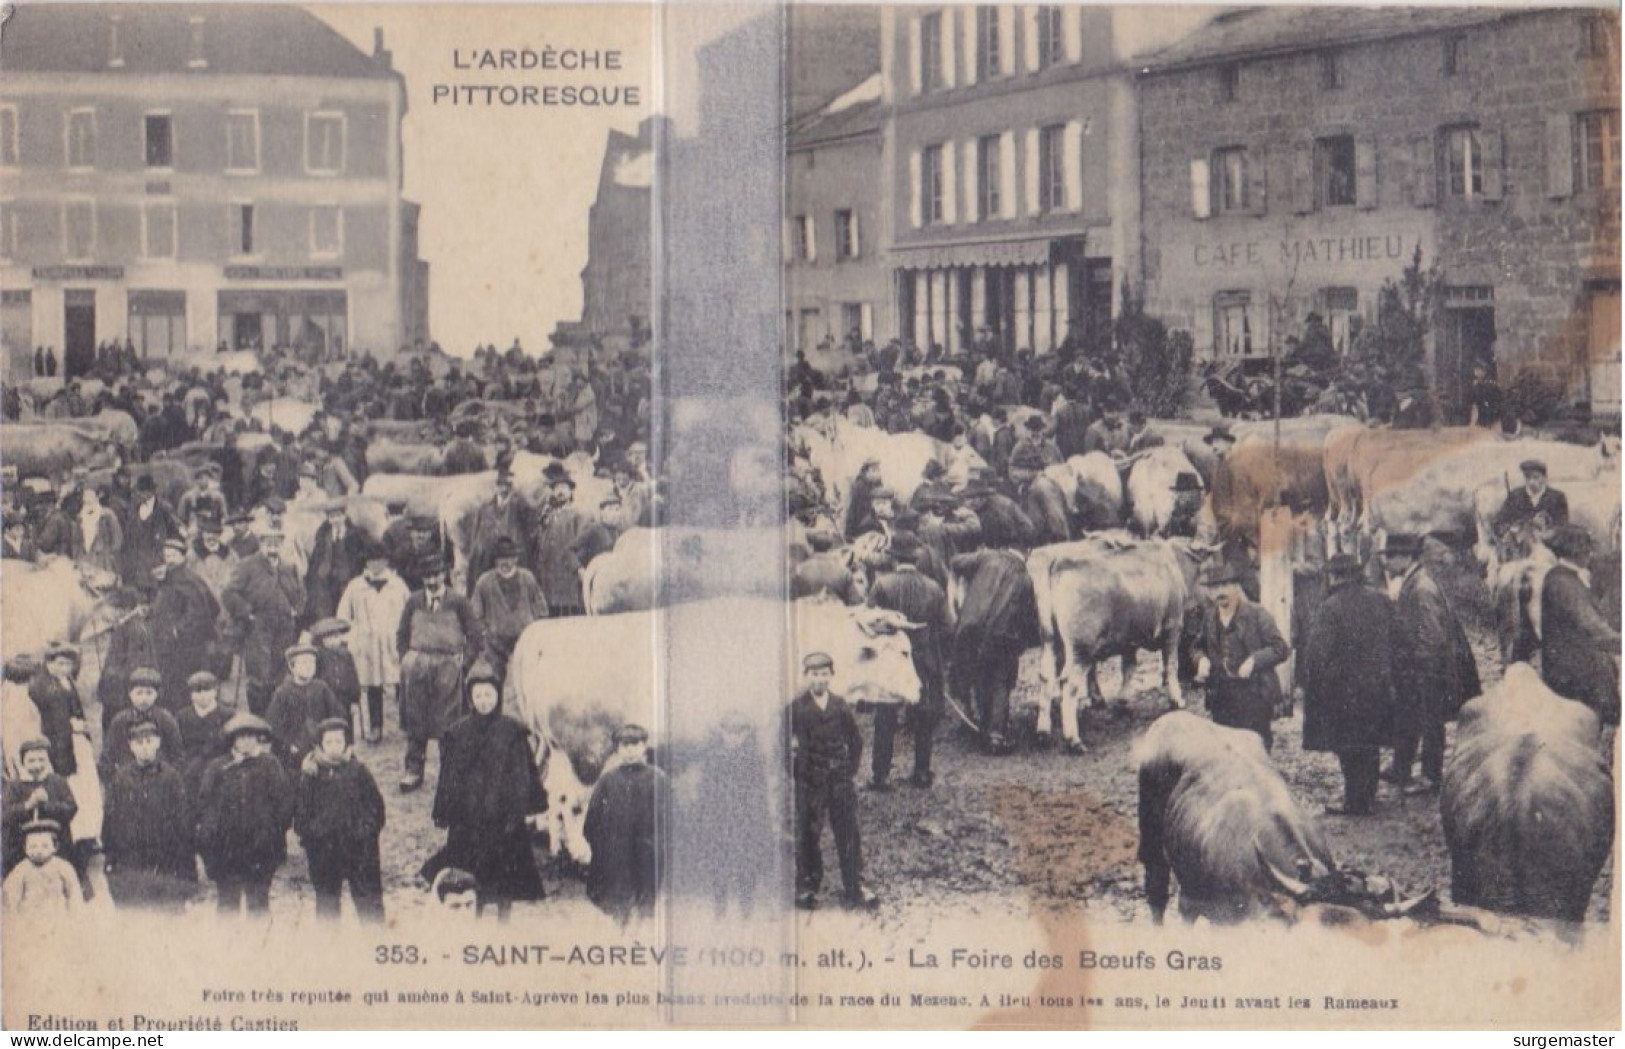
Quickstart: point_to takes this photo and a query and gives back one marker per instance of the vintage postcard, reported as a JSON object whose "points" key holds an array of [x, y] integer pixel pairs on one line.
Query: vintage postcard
{"points": [[655, 515]]}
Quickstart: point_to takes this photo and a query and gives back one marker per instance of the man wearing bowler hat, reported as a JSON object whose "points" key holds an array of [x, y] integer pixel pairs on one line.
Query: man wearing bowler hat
{"points": [[264, 600], [560, 525], [505, 516], [1237, 652], [826, 749], [1346, 671], [184, 611], [1579, 648]]}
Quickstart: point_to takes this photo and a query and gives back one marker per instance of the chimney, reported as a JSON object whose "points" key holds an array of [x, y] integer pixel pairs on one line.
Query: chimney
{"points": [[381, 54]]}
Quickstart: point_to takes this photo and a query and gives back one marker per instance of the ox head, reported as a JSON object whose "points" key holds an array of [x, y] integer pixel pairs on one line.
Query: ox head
{"points": [[879, 667], [1338, 895]]}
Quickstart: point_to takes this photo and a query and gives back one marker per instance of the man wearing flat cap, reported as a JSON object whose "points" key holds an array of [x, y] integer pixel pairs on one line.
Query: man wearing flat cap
{"points": [[1579, 648], [335, 559], [507, 599], [558, 526], [826, 749], [437, 637], [1532, 510], [1237, 651], [184, 612], [623, 827], [1434, 671], [147, 828], [264, 600], [1346, 673]]}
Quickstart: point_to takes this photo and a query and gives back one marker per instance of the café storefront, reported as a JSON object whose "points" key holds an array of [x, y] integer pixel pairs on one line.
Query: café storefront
{"points": [[304, 318]]}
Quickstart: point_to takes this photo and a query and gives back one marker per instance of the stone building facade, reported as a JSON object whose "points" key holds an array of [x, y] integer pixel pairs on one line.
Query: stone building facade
{"points": [[1293, 159]]}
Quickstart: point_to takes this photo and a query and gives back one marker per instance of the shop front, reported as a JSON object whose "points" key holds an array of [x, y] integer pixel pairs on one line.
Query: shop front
{"points": [[308, 321]]}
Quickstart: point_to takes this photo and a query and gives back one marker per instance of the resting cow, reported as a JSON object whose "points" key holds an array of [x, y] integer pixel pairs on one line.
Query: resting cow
{"points": [[1216, 815], [1528, 801]]}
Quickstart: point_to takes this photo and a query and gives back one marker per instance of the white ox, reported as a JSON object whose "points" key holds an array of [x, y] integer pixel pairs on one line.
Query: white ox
{"points": [[1363, 462], [691, 564], [289, 413], [838, 451], [1093, 489], [1108, 595], [51, 448], [1154, 504], [574, 681]]}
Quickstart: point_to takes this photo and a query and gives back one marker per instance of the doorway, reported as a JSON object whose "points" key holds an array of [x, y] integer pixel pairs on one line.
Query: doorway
{"points": [[1466, 338], [246, 331], [78, 331]]}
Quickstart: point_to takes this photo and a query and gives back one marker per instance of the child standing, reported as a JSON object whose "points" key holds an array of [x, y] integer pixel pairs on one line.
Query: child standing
{"points": [[245, 805], [298, 705], [147, 835], [338, 818], [144, 685], [335, 666], [46, 885], [37, 794]]}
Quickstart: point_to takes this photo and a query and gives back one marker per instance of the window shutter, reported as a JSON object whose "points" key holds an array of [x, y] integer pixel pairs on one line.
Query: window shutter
{"points": [[1494, 164], [1032, 172], [1201, 188], [1424, 179], [1257, 182], [1365, 172], [812, 238], [1072, 32], [973, 42], [949, 50], [856, 236], [787, 239], [914, 56], [950, 184], [1007, 40], [914, 189], [1072, 164], [1029, 32], [1303, 180], [1559, 155], [1007, 175], [866, 321], [973, 180]]}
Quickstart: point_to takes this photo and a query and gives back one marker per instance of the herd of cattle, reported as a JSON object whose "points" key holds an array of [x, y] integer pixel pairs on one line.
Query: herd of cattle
{"points": [[1528, 798]]}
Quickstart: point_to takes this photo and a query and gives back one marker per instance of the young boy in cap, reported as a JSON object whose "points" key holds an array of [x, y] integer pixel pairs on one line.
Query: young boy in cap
{"points": [[1536, 506], [335, 666], [299, 705], [147, 834], [244, 808], [623, 829], [826, 749], [338, 816], [145, 683], [46, 885], [56, 695], [202, 724], [38, 793]]}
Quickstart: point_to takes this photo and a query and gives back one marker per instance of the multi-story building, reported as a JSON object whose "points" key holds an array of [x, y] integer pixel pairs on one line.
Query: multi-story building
{"points": [[187, 175], [1010, 152], [1294, 159], [835, 276]]}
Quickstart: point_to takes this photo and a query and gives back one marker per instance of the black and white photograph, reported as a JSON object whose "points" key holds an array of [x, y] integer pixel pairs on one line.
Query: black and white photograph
{"points": [[809, 515]]}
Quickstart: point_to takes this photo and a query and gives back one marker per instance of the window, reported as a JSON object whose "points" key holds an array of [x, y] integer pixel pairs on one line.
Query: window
{"points": [[8, 136], [158, 233], [194, 53], [1452, 55], [1229, 81], [1232, 324], [82, 138], [1331, 70], [1051, 43], [987, 43], [805, 247], [1464, 163], [987, 177], [324, 143], [1596, 150], [157, 322], [1230, 179], [160, 141], [326, 231], [852, 320], [242, 228], [1596, 36], [8, 229], [1052, 168], [931, 185], [931, 51], [79, 229], [1341, 307], [242, 140], [1334, 171], [846, 234]]}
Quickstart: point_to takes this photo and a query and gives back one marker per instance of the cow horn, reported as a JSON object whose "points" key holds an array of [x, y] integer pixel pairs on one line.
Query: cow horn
{"points": [[1404, 907], [1293, 886]]}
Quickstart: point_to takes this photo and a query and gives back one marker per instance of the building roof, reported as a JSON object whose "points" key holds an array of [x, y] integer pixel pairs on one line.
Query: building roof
{"points": [[854, 112], [1257, 31], [238, 40]]}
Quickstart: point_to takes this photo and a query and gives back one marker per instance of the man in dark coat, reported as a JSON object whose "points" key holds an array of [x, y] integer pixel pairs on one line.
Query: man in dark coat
{"points": [[300, 704], [623, 827], [1042, 498], [1237, 651], [61, 712], [145, 685], [1434, 672], [437, 636], [1071, 424], [826, 749], [1579, 656], [1004, 524], [147, 527], [559, 524], [132, 643], [264, 599], [244, 808], [338, 815], [860, 498], [1536, 507], [147, 828], [920, 600], [184, 612], [998, 621], [506, 516], [336, 557], [487, 794], [202, 725], [1346, 670]]}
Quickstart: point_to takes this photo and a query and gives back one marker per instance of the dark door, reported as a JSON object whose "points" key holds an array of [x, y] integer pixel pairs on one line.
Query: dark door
{"points": [[78, 336], [245, 331], [1468, 338]]}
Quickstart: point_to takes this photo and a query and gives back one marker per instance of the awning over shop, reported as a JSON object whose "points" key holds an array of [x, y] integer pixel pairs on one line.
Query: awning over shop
{"points": [[1028, 252]]}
